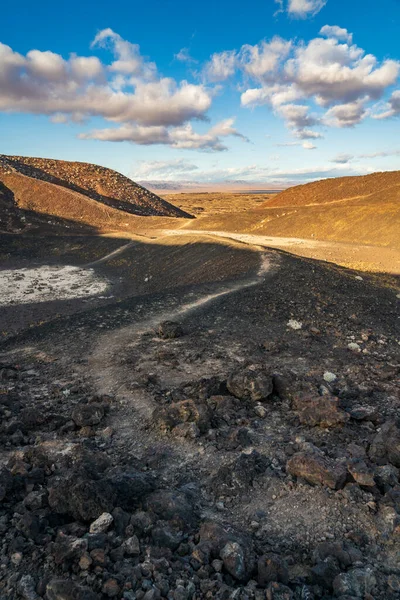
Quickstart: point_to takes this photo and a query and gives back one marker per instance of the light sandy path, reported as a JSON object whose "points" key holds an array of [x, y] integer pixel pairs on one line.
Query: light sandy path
{"points": [[253, 240], [116, 252], [103, 364], [361, 257]]}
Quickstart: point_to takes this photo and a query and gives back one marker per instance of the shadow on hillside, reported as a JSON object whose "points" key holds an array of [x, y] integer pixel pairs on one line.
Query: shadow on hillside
{"points": [[129, 207], [141, 272], [25, 221]]}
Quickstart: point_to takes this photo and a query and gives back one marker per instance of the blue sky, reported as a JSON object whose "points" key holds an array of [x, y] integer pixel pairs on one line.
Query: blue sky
{"points": [[271, 92]]}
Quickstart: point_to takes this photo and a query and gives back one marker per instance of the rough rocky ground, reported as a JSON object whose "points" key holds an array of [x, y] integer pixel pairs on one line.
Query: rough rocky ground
{"points": [[226, 438]]}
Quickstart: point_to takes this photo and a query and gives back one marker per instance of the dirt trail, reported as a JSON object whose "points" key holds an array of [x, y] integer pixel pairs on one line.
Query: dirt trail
{"points": [[103, 363], [113, 254]]}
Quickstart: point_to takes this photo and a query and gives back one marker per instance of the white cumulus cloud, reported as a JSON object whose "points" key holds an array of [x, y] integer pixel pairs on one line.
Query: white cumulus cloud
{"points": [[333, 31], [392, 107], [221, 66], [301, 9], [183, 137]]}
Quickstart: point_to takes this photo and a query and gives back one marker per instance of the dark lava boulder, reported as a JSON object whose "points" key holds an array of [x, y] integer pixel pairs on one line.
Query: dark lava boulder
{"points": [[83, 499], [239, 475], [186, 411], [173, 507], [250, 384], [271, 567], [168, 330], [325, 571], [234, 548], [344, 553], [165, 536], [130, 487], [86, 415], [65, 589], [357, 583], [385, 446], [6, 482]]}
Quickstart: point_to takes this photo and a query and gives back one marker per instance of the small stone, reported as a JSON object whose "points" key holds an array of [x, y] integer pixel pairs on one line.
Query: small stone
{"points": [[26, 588], [278, 591], [180, 593], [186, 430], [85, 562], [325, 571], [394, 583], [98, 556], [354, 347], [363, 413], [217, 565], [260, 411], [131, 546], [386, 445], [232, 555], [387, 476], [359, 278], [185, 418], [295, 325], [111, 588], [87, 414], [329, 377], [101, 524], [16, 558], [270, 568], [170, 330]]}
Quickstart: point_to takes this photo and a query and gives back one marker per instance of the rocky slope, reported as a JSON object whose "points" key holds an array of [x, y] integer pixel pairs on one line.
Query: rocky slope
{"points": [[249, 451], [81, 196]]}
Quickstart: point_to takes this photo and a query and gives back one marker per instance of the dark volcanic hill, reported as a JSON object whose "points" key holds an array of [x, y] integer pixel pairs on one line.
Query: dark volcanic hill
{"points": [[73, 195]]}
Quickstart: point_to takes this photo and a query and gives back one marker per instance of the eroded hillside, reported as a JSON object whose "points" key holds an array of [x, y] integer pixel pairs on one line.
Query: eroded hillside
{"points": [[74, 196]]}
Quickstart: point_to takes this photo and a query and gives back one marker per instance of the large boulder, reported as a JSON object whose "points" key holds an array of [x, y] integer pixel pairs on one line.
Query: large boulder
{"points": [[83, 499], [385, 446], [250, 384], [324, 412], [317, 469]]}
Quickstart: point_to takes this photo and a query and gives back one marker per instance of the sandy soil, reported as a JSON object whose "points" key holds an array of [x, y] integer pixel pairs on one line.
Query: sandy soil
{"points": [[355, 256]]}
